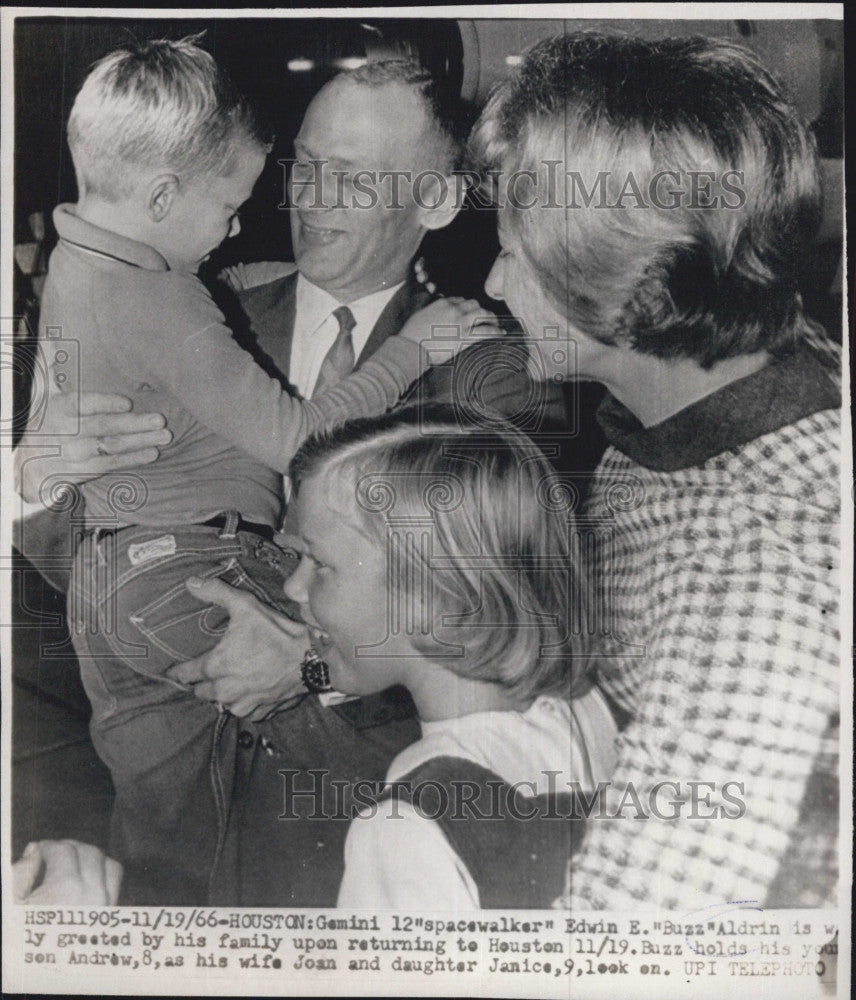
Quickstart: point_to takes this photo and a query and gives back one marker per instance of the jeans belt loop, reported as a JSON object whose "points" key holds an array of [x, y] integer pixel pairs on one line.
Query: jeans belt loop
{"points": [[230, 528]]}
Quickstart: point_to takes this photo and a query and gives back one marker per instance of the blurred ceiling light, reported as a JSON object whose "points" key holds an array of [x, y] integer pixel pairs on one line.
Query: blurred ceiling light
{"points": [[350, 62], [513, 60], [300, 65]]}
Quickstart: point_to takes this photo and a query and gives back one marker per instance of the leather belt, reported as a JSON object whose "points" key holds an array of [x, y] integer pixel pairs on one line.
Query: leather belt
{"points": [[222, 521], [228, 524]]}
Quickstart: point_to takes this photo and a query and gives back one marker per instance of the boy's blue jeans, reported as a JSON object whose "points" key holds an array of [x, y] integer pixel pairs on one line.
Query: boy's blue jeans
{"points": [[131, 618]]}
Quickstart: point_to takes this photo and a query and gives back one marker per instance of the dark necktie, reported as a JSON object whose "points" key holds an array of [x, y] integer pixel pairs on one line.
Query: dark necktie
{"points": [[339, 361]]}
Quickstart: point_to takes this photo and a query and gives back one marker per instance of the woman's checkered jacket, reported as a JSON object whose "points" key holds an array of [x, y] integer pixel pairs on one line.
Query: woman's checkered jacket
{"points": [[718, 578]]}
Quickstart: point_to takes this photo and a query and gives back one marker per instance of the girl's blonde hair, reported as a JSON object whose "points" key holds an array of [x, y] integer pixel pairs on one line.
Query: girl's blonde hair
{"points": [[481, 565]]}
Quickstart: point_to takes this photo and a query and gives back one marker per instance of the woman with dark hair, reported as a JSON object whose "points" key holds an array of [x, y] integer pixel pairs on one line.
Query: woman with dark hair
{"points": [[656, 200]]}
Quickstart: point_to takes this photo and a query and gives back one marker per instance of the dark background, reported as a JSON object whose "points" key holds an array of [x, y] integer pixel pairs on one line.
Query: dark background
{"points": [[53, 56]]}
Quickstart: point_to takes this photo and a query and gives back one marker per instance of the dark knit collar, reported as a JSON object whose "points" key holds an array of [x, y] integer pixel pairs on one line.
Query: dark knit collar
{"points": [[784, 391]]}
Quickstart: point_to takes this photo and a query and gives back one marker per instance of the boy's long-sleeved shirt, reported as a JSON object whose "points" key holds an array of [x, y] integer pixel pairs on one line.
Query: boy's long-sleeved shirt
{"points": [[719, 579], [156, 336]]}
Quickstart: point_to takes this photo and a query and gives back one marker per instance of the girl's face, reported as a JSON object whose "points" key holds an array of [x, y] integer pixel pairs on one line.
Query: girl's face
{"points": [[341, 586]]}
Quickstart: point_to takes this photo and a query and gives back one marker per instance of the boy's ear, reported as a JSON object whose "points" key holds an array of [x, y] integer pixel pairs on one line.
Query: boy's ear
{"points": [[439, 199], [160, 194]]}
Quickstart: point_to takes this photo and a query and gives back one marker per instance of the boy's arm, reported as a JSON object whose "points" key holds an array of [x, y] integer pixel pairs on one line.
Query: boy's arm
{"points": [[241, 276], [189, 351]]}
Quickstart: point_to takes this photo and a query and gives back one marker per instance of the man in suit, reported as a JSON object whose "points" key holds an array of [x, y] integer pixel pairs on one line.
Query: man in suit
{"points": [[381, 118], [288, 766], [356, 253], [353, 249]]}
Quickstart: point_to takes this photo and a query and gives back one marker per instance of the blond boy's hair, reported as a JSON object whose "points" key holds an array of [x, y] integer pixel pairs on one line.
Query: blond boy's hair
{"points": [[161, 104]]}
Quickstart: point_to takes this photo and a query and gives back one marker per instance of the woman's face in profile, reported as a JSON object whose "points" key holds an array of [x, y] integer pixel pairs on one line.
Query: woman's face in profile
{"points": [[557, 351]]}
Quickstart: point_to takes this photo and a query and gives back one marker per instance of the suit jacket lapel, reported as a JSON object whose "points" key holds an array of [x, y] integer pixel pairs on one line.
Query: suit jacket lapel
{"points": [[410, 297], [271, 310]]}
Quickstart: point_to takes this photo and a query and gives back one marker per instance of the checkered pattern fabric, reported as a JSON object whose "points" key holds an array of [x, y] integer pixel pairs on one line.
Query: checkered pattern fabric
{"points": [[719, 585]]}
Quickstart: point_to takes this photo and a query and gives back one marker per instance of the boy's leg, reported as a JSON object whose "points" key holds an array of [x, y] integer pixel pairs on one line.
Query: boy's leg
{"points": [[298, 780], [157, 744], [135, 619]]}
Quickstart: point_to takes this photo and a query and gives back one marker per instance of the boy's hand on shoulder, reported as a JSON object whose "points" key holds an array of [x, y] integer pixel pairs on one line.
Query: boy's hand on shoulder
{"points": [[452, 323], [240, 277]]}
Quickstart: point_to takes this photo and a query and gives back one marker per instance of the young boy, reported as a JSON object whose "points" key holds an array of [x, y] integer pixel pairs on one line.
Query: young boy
{"points": [[165, 155]]}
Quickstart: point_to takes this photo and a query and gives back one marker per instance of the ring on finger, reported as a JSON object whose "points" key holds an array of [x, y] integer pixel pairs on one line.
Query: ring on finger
{"points": [[100, 447]]}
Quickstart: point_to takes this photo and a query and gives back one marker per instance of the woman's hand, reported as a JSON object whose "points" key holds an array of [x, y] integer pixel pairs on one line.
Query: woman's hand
{"points": [[86, 436]]}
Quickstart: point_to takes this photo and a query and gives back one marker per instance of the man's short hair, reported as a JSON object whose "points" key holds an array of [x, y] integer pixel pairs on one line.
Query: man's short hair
{"points": [[442, 110], [672, 280], [503, 577], [157, 104]]}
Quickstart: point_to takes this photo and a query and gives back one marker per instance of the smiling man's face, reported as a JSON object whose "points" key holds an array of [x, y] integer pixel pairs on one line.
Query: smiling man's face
{"points": [[346, 249]]}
